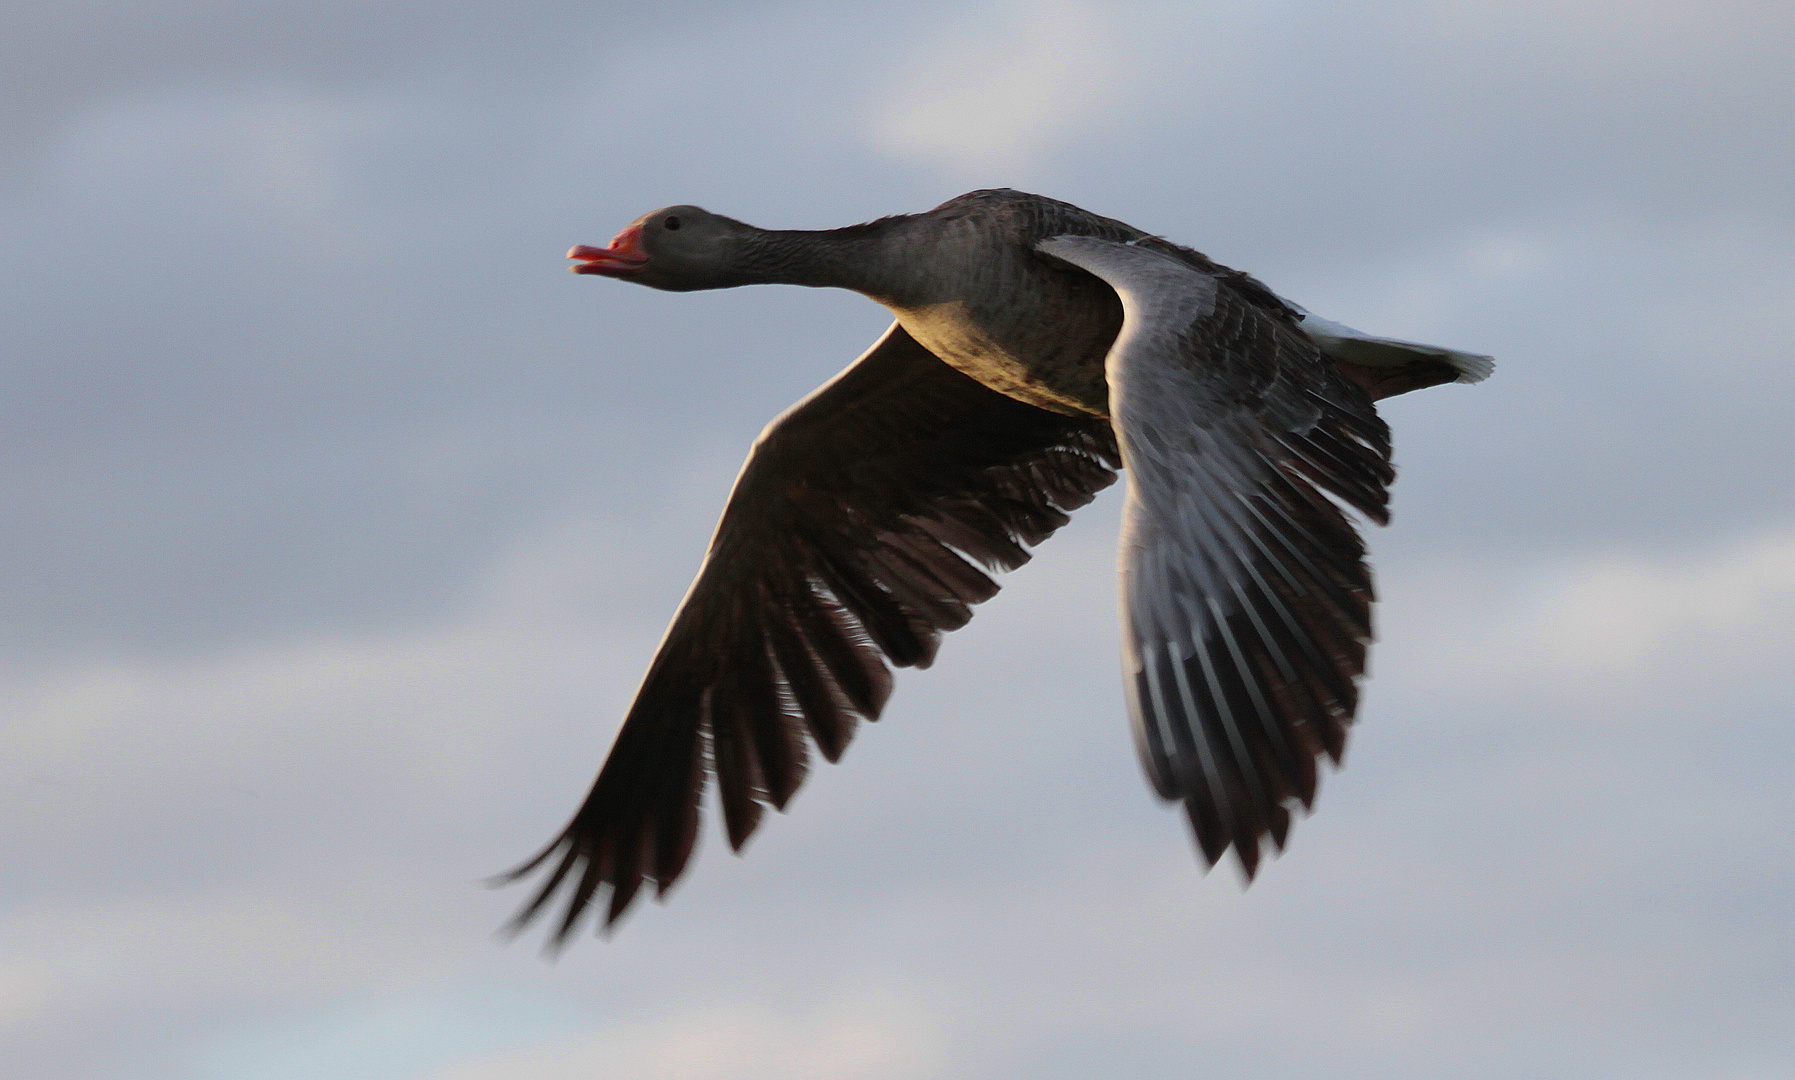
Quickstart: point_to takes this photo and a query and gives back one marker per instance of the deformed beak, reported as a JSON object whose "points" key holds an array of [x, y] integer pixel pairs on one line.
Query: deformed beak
{"points": [[624, 256]]}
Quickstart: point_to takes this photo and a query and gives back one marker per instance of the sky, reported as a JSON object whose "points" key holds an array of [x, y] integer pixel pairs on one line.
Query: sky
{"points": [[340, 522]]}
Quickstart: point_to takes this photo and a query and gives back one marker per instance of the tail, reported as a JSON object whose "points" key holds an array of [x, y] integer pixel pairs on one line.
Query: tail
{"points": [[1354, 347]]}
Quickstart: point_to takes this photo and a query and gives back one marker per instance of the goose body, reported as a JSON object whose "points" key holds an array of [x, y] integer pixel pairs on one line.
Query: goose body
{"points": [[1036, 348]]}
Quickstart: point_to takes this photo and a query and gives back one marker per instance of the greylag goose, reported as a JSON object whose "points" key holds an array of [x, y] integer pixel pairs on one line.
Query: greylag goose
{"points": [[1037, 348]]}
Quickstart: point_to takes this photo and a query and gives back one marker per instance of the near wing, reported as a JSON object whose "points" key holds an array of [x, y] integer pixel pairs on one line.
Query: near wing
{"points": [[844, 546], [1246, 598]]}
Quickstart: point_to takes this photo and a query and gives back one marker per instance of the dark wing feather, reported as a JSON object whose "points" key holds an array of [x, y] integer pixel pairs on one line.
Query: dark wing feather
{"points": [[844, 546], [1247, 601]]}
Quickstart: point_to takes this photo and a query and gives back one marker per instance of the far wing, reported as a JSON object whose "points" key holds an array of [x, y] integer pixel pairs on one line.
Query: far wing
{"points": [[1246, 598], [844, 546]]}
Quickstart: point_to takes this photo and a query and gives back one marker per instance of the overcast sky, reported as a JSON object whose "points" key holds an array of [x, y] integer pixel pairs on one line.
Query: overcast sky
{"points": [[340, 521]]}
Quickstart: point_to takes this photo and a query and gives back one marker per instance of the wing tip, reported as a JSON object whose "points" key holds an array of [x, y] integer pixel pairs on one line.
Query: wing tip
{"points": [[1252, 846]]}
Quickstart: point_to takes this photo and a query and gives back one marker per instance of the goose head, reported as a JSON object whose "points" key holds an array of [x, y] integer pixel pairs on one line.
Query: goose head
{"points": [[679, 249]]}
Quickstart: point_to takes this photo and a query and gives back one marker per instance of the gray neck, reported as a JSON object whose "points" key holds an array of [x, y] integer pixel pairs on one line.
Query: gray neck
{"points": [[859, 257]]}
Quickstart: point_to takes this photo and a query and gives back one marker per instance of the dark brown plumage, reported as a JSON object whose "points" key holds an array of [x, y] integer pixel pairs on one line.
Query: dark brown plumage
{"points": [[842, 549]]}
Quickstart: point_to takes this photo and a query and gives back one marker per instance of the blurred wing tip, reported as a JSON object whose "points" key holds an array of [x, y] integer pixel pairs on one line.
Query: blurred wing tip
{"points": [[524, 869], [579, 904]]}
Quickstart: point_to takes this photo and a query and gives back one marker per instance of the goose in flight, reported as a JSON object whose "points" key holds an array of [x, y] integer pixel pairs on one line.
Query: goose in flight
{"points": [[1037, 348]]}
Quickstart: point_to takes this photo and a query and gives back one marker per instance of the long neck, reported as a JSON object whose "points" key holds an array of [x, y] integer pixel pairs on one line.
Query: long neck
{"points": [[863, 258]]}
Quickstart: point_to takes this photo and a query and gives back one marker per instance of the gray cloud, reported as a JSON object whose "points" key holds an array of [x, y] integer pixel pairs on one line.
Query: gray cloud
{"points": [[341, 521]]}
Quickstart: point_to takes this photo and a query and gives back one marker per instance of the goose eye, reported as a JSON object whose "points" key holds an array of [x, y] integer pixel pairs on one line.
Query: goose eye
{"points": [[671, 223]]}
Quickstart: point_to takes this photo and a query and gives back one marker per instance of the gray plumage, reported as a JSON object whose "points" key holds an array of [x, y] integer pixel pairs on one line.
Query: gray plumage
{"points": [[1037, 348], [1245, 597]]}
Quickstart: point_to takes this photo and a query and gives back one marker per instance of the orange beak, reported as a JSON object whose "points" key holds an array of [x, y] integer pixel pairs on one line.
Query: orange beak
{"points": [[624, 256]]}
